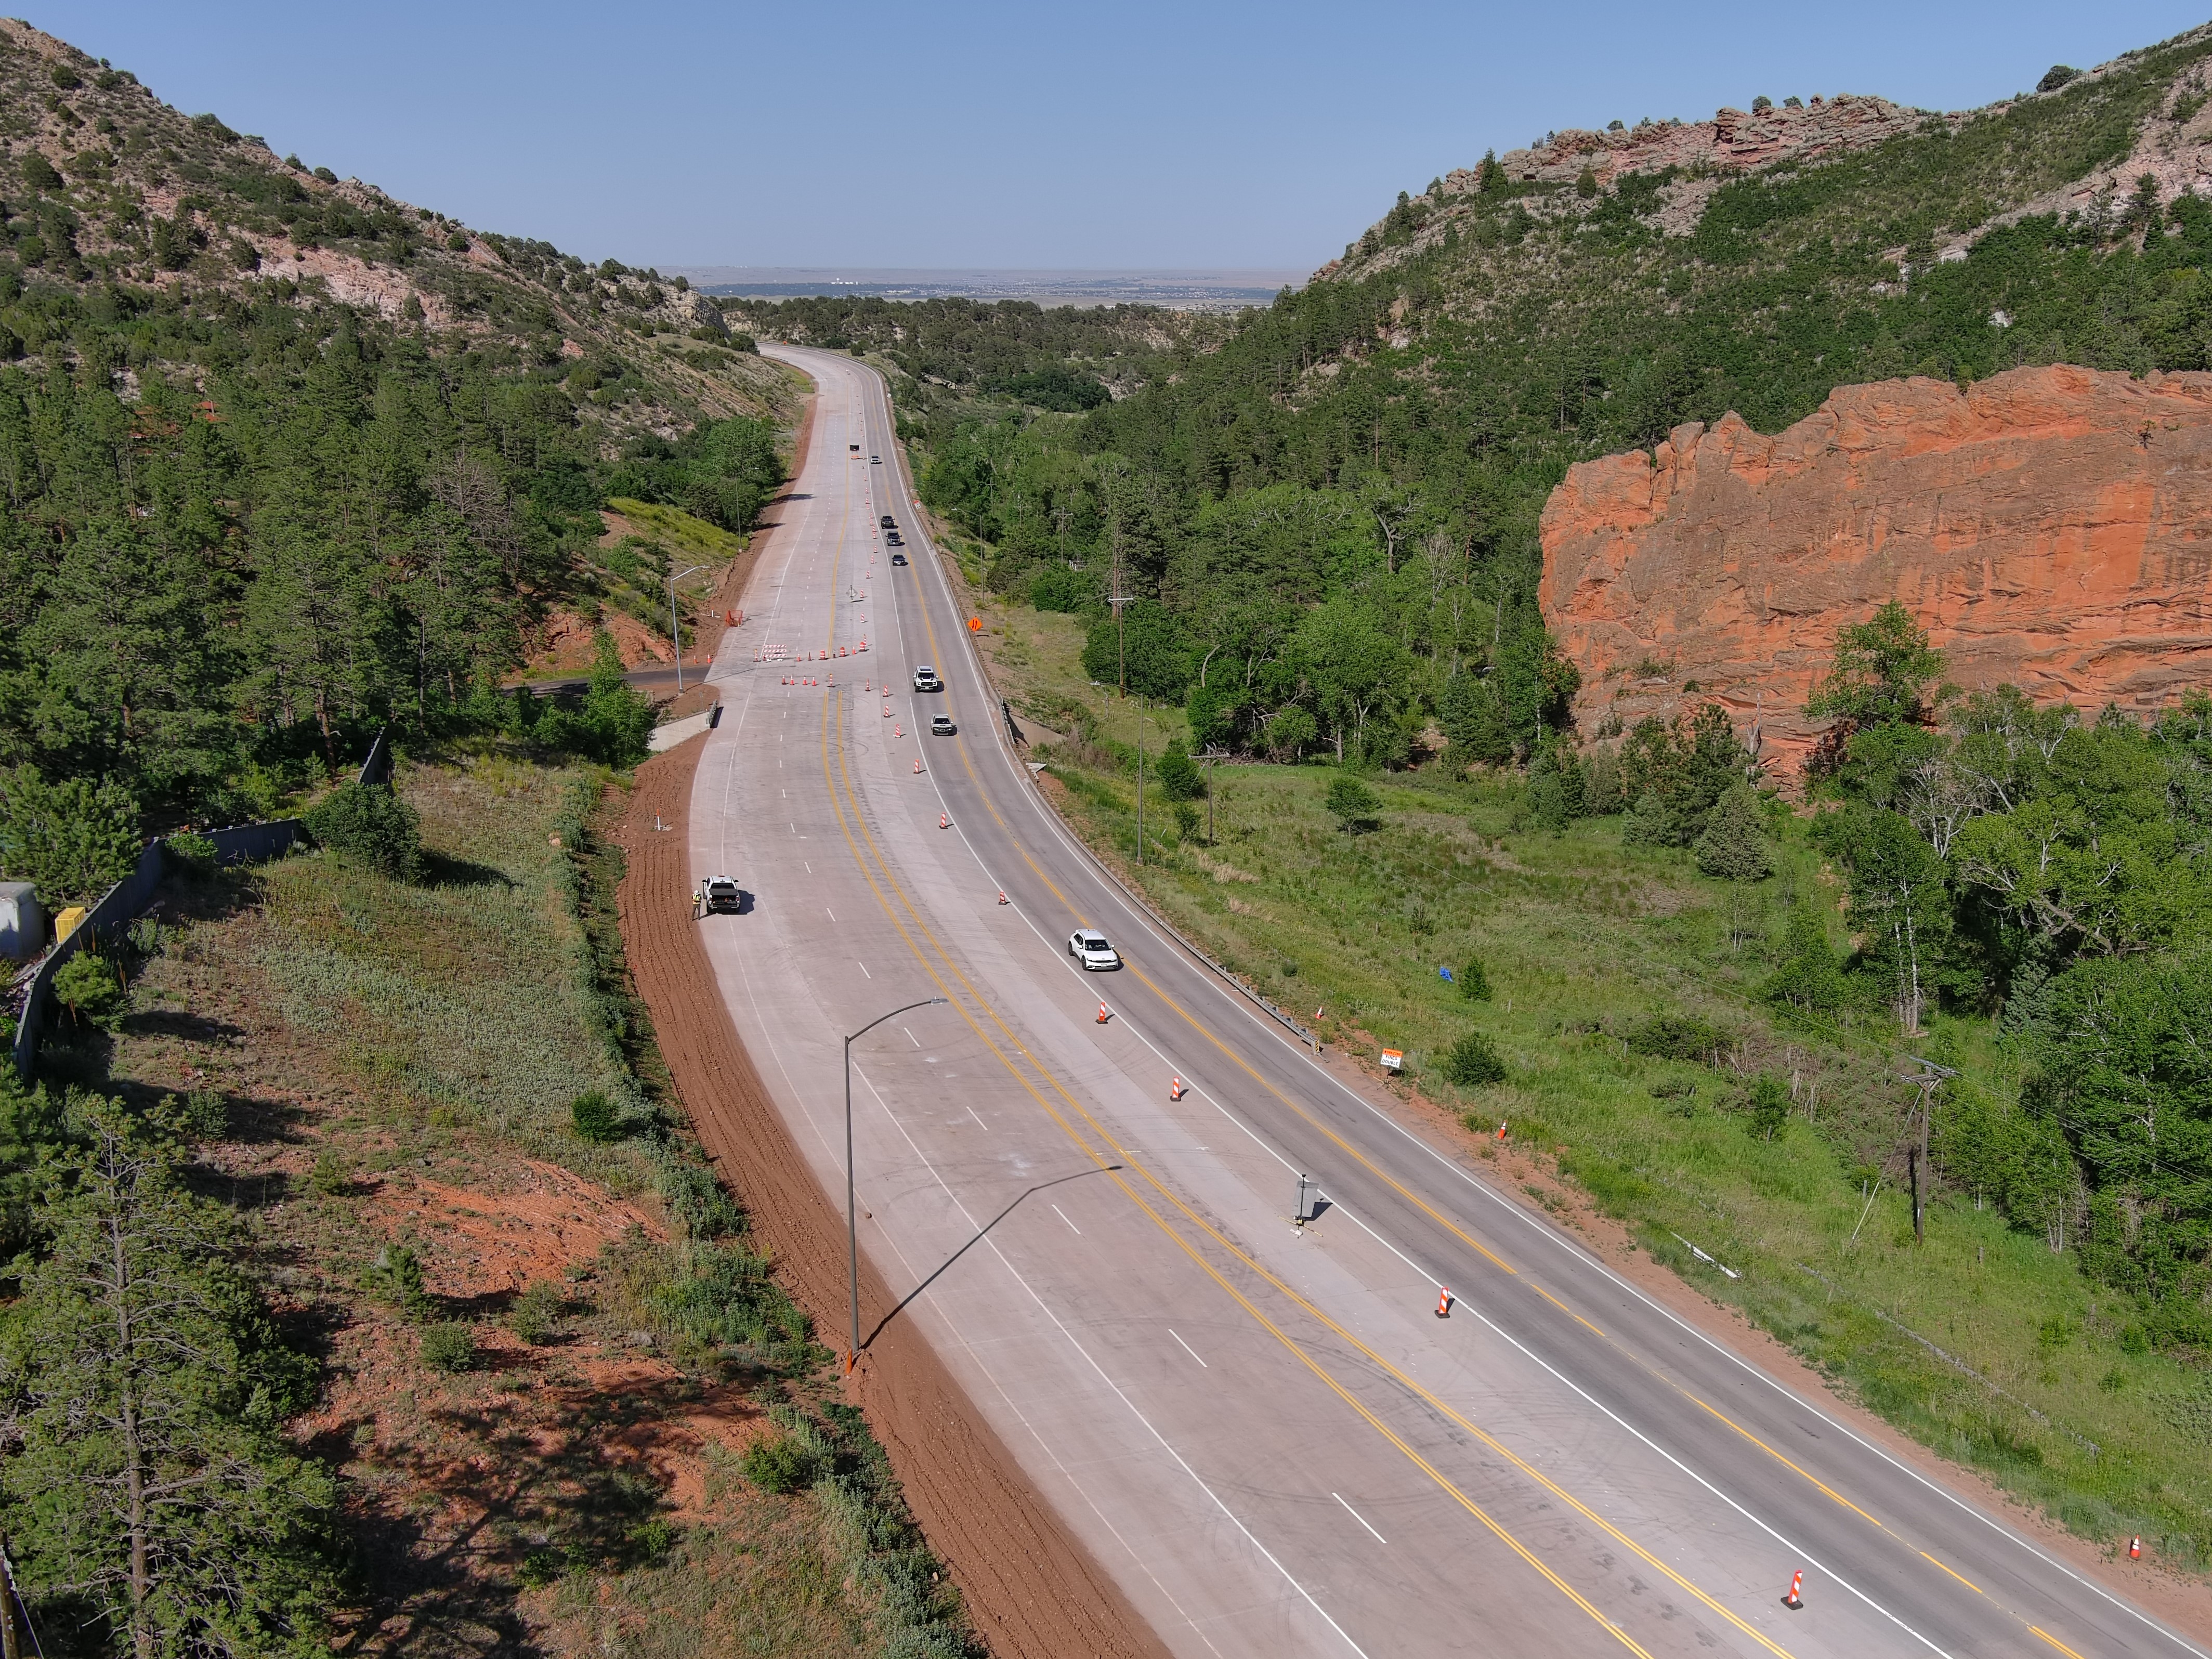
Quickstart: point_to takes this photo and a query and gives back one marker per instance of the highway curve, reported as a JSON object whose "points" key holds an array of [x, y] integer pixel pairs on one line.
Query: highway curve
{"points": [[1265, 1435]]}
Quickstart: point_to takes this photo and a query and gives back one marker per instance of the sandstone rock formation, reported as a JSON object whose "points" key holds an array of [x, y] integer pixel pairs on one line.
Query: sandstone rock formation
{"points": [[1733, 142], [2051, 528]]}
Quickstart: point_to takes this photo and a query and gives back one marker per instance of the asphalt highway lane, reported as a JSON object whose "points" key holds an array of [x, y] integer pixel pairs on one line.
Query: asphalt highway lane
{"points": [[1264, 1433]]}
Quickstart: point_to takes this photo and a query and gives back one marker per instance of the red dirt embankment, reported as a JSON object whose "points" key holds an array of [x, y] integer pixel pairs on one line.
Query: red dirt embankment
{"points": [[1030, 1587]]}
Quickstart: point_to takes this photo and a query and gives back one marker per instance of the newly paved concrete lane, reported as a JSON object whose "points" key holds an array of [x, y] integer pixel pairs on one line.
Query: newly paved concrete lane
{"points": [[1266, 1434]]}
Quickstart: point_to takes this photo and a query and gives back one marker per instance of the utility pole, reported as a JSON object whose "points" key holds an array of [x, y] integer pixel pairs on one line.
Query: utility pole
{"points": [[675, 627], [1117, 599], [10, 1643], [852, 1210], [1928, 1079]]}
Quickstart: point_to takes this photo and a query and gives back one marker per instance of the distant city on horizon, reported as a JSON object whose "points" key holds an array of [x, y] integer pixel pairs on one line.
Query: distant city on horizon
{"points": [[1180, 291]]}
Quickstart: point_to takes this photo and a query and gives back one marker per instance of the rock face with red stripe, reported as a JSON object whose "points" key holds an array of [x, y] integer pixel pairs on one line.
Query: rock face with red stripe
{"points": [[2051, 528]]}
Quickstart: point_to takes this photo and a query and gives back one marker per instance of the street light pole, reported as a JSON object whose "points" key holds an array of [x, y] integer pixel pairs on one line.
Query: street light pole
{"points": [[852, 1210], [675, 627]]}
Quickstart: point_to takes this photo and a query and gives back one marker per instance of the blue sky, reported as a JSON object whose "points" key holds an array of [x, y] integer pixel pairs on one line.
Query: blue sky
{"points": [[944, 133]]}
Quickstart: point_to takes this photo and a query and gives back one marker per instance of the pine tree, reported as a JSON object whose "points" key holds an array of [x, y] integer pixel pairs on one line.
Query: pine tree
{"points": [[1734, 845], [152, 1483]]}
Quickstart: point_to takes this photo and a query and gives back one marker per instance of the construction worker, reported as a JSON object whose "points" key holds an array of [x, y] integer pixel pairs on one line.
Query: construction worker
{"points": [[698, 900]]}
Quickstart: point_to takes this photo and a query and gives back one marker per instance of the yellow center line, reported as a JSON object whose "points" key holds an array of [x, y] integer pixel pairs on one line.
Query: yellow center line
{"points": [[858, 817], [1776, 1455], [2049, 1638], [1444, 1221], [1932, 1561], [1563, 1306]]}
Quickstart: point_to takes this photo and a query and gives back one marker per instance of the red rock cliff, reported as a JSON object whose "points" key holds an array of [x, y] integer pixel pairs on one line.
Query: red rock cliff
{"points": [[2051, 526]]}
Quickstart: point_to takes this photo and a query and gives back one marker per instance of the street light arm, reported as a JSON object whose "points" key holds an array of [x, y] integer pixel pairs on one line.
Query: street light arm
{"points": [[852, 1202], [894, 1014]]}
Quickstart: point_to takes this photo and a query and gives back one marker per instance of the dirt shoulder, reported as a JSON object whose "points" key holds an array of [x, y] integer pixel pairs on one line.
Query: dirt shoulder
{"points": [[1030, 1587]]}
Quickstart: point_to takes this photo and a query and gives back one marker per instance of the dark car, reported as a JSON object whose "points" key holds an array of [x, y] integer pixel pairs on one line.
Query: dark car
{"points": [[894, 540], [887, 522], [941, 725], [898, 558]]}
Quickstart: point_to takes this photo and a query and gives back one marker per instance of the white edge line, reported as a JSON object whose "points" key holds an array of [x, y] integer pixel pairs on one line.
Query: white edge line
{"points": [[1137, 914], [1360, 1518]]}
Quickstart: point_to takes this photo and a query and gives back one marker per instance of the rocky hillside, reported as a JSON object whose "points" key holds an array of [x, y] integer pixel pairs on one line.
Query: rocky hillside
{"points": [[2048, 527], [107, 187]]}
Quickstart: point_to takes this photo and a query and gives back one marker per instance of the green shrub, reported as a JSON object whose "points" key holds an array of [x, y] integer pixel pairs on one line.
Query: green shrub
{"points": [[1770, 1105], [541, 1567], [1678, 1036], [329, 1176], [783, 1464], [1649, 824], [89, 988], [536, 1313], [396, 1274], [696, 1202], [368, 824], [189, 850], [1179, 774], [595, 1118], [1355, 807], [207, 1111], [1474, 982], [1474, 1061], [448, 1346]]}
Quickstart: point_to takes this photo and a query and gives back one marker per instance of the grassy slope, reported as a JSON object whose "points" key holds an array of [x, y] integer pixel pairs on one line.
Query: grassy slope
{"points": [[425, 1041], [1583, 938], [253, 225]]}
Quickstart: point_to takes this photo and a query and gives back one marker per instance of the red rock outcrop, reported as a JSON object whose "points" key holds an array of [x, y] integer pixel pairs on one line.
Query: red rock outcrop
{"points": [[1734, 141], [2051, 528]]}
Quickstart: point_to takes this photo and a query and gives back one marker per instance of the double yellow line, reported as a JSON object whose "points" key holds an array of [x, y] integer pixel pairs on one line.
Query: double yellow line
{"points": [[876, 870]]}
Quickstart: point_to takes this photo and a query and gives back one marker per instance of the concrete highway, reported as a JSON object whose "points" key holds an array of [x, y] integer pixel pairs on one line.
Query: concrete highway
{"points": [[1264, 1433]]}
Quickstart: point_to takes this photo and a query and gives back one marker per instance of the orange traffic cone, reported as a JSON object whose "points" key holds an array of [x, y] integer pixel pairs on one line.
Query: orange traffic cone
{"points": [[1175, 1088], [2135, 1549], [917, 762], [1103, 1015], [1795, 1598], [1443, 1305], [944, 820], [1002, 895], [1501, 1129]]}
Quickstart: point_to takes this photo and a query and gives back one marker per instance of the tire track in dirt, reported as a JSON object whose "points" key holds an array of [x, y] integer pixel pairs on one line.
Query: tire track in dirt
{"points": [[1030, 1588]]}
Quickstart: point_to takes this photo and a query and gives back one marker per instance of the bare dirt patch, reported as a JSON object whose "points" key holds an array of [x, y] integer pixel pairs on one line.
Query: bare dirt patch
{"points": [[1030, 1587]]}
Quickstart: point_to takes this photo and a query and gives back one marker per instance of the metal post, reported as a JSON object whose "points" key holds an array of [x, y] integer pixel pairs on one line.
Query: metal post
{"points": [[851, 1207], [1140, 777], [675, 626]]}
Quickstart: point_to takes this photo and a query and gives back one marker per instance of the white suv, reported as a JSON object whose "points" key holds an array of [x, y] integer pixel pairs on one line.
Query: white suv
{"points": [[925, 679], [1089, 947]]}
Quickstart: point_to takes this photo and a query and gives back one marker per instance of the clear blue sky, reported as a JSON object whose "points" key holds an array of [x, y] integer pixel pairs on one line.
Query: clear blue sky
{"points": [[936, 132]]}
